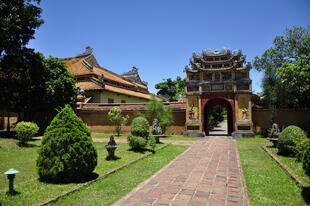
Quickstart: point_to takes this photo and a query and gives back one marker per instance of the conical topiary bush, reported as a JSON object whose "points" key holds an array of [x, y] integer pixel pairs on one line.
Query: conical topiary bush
{"points": [[67, 152]]}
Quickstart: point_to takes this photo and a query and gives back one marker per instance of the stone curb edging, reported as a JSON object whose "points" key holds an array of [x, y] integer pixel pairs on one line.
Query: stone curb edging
{"points": [[79, 186], [298, 181], [247, 201]]}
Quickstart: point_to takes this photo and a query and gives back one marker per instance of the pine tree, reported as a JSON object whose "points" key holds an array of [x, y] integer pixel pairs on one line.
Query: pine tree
{"points": [[67, 152]]}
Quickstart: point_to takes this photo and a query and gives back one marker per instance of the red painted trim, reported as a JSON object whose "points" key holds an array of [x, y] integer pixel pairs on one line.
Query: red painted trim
{"points": [[209, 97]]}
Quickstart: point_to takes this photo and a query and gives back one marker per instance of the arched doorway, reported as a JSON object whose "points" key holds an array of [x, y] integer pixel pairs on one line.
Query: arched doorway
{"points": [[218, 78], [215, 104]]}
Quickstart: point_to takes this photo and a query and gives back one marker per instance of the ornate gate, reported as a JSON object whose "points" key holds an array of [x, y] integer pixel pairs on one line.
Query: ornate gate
{"points": [[218, 78]]}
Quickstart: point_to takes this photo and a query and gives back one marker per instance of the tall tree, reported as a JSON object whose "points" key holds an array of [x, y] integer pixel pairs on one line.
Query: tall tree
{"points": [[286, 70], [18, 21], [32, 86], [172, 89]]}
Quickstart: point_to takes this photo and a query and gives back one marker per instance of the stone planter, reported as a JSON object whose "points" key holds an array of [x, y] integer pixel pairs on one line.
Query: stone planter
{"points": [[111, 151], [111, 147]]}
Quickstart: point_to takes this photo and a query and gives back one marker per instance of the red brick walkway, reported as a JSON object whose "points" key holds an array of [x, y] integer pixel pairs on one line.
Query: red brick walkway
{"points": [[206, 174]]}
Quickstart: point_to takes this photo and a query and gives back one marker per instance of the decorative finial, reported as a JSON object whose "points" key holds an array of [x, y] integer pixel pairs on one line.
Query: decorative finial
{"points": [[88, 50]]}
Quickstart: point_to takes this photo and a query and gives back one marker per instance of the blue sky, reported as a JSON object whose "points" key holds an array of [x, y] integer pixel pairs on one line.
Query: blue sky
{"points": [[159, 36]]}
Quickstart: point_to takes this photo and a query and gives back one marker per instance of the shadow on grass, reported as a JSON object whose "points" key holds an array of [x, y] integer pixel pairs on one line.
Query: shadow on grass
{"points": [[12, 194], [213, 135], [306, 194], [108, 158], [92, 176], [88, 178], [142, 151], [25, 144], [4, 134]]}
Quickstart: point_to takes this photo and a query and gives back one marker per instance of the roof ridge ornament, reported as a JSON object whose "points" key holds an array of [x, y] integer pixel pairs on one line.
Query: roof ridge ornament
{"points": [[88, 51]]}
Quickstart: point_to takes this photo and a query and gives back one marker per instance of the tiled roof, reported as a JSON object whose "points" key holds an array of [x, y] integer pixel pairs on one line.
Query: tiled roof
{"points": [[87, 65], [90, 85], [128, 92], [176, 106], [109, 76], [77, 68], [141, 86]]}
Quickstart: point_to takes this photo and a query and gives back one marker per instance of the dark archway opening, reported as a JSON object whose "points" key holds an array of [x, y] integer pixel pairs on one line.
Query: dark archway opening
{"points": [[216, 105]]}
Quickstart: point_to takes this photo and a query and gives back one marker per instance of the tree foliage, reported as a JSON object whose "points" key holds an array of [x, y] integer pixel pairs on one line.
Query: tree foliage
{"points": [[172, 89], [115, 116], [34, 86], [215, 116], [156, 110], [18, 21], [31, 85], [286, 70], [67, 152]]}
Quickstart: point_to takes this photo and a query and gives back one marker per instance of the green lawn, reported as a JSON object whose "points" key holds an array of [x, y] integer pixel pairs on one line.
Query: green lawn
{"points": [[267, 183], [33, 191], [124, 136], [291, 162], [110, 189]]}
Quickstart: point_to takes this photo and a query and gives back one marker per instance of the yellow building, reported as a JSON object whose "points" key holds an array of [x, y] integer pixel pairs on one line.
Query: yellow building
{"points": [[101, 85], [219, 78]]}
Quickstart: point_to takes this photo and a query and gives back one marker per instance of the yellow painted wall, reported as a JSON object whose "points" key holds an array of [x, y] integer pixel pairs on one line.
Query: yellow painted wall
{"points": [[103, 96], [98, 121], [285, 117]]}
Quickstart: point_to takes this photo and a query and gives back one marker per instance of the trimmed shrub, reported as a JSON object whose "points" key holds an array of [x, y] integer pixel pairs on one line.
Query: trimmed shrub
{"points": [[67, 153], [140, 127], [26, 130], [152, 142], [288, 139], [301, 146], [306, 159], [136, 143]]}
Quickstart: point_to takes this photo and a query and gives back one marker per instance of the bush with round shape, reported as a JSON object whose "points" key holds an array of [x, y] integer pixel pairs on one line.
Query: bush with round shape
{"points": [[136, 142], [300, 148], [288, 139], [140, 127], [152, 142], [306, 159], [67, 153], [26, 130]]}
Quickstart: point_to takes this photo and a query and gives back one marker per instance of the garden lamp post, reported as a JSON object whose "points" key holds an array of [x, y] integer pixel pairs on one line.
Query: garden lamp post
{"points": [[11, 174]]}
